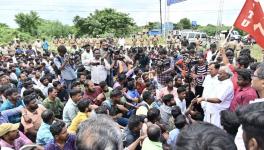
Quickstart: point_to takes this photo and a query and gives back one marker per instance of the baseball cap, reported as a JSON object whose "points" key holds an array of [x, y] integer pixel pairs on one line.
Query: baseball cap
{"points": [[7, 127]]}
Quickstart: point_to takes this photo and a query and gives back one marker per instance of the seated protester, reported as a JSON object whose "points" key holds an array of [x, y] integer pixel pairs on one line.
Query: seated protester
{"points": [[102, 110], [45, 85], [3, 98], [113, 105], [83, 114], [99, 133], [76, 85], [178, 81], [180, 122], [62, 139], [62, 92], [145, 105], [12, 138], [91, 92], [152, 142], [30, 89], [132, 131], [153, 117], [165, 109], [31, 116], [175, 112], [132, 94], [53, 103], [201, 136], [44, 135], [121, 81], [70, 110], [140, 85], [230, 122], [106, 89], [5, 81], [169, 89], [82, 80], [180, 100], [12, 101], [22, 79], [5, 114]]}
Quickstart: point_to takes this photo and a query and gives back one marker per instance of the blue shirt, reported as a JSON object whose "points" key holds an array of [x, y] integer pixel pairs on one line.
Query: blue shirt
{"points": [[133, 94], [69, 144], [173, 136], [8, 105], [44, 135], [19, 51], [68, 72], [45, 45], [7, 113]]}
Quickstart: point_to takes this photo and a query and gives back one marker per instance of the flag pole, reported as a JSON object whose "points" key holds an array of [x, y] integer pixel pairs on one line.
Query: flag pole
{"points": [[222, 45], [161, 28], [225, 41]]}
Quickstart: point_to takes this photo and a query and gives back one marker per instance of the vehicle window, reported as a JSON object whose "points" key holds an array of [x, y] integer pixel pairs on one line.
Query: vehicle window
{"points": [[191, 35], [204, 36]]}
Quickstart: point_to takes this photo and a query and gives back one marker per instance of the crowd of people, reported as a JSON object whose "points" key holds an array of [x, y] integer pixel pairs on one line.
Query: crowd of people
{"points": [[104, 95]]}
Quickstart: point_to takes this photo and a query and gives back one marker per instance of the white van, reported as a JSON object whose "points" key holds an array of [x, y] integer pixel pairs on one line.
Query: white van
{"points": [[191, 36]]}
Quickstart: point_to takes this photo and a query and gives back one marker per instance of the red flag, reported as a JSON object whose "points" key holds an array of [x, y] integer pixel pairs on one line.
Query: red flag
{"points": [[251, 20]]}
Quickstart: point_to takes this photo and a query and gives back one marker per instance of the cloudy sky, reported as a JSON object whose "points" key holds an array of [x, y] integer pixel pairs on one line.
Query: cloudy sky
{"points": [[143, 11]]}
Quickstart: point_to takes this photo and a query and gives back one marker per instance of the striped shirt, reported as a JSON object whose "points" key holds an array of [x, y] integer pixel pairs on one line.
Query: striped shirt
{"points": [[201, 72]]}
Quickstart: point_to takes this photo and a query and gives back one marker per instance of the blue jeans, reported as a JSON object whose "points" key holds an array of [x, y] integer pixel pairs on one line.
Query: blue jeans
{"points": [[122, 121]]}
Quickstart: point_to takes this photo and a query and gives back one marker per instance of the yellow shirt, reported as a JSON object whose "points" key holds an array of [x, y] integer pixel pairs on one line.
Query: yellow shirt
{"points": [[80, 117]]}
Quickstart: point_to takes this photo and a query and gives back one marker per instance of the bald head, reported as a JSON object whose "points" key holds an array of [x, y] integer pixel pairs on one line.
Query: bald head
{"points": [[154, 133], [224, 73]]}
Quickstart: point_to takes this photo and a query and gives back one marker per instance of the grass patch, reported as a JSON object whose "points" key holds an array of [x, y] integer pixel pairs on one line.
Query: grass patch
{"points": [[256, 52]]}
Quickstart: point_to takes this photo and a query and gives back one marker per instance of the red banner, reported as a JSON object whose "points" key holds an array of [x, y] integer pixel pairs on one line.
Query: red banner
{"points": [[251, 20]]}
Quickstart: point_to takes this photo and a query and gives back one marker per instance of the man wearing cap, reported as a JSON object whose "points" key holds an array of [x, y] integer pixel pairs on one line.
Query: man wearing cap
{"points": [[12, 138]]}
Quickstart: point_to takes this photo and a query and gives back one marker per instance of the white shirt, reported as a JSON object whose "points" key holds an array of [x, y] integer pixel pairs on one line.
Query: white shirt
{"points": [[209, 85], [121, 42], [86, 58], [181, 104], [44, 89], [99, 72], [224, 91]]}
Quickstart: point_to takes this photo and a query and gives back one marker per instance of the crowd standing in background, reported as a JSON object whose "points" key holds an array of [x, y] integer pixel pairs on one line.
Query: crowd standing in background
{"points": [[104, 93]]}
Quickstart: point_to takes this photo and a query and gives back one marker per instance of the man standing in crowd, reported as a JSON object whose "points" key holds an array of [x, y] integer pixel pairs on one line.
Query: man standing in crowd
{"points": [[86, 57], [66, 66], [224, 93], [245, 93], [99, 67]]}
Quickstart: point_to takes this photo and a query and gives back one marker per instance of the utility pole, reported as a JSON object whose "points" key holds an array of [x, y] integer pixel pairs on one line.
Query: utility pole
{"points": [[160, 18], [220, 17]]}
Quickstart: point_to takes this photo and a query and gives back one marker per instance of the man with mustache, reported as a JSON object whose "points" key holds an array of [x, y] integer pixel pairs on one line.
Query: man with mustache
{"points": [[31, 116], [92, 92]]}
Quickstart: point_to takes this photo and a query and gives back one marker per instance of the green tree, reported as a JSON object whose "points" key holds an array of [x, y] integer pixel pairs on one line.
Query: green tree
{"points": [[185, 23], [54, 28], [28, 22], [107, 21], [7, 34], [152, 25]]}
